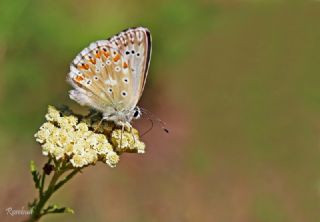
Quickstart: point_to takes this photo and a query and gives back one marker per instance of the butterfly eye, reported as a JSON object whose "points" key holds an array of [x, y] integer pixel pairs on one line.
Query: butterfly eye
{"points": [[138, 54], [124, 93], [137, 113], [127, 52], [109, 90], [132, 51], [96, 78]]}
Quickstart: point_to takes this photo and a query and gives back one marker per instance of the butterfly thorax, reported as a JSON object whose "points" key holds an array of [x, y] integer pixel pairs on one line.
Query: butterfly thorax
{"points": [[119, 117], [123, 116]]}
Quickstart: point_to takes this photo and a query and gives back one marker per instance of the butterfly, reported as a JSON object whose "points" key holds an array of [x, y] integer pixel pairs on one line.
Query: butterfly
{"points": [[109, 75]]}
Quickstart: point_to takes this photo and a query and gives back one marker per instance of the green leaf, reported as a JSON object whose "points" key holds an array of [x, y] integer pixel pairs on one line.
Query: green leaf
{"points": [[69, 210], [35, 175], [33, 167], [55, 209]]}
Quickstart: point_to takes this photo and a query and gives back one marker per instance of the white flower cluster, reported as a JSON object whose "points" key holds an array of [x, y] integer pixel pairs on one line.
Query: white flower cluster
{"points": [[64, 137]]}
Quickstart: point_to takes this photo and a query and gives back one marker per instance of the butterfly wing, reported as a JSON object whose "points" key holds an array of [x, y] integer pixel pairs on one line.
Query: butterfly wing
{"points": [[110, 75]]}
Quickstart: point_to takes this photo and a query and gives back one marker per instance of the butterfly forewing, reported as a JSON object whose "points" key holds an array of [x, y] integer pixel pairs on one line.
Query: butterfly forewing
{"points": [[110, 75]]}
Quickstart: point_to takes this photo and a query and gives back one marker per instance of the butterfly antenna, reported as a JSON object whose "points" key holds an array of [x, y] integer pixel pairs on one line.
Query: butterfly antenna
{"points": [[154, 117], [151, 121]]}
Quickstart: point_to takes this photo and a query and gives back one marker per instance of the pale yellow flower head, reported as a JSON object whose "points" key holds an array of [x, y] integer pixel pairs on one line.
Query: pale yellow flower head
{"points": [[83, 140], [112, 159], [127, 141]]}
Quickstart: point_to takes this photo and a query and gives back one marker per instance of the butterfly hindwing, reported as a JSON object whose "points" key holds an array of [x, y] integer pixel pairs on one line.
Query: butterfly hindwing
{"points": [[110, 75]]}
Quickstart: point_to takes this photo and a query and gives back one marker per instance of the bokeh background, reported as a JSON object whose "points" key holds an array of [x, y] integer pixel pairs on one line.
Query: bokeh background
{"points": [[236, 81]]}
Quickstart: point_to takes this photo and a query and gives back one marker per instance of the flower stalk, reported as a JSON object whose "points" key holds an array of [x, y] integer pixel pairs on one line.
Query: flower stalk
{"points": [[37, 207]]}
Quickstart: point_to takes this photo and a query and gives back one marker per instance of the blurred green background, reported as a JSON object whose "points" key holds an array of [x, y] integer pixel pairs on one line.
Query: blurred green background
{"points": [[236, 81]]}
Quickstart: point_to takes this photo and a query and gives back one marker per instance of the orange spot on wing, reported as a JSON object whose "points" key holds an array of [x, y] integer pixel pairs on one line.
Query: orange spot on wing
{"points": [[93, 61], [116, 58], [98, 54], [106, 54], [78, 78], [125, 65], [83, 66]]}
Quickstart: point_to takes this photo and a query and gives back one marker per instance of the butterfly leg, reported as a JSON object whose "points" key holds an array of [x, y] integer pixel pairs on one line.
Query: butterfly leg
{"points": [[129, 126], [122, 131], [98, 125], [133, 137]]}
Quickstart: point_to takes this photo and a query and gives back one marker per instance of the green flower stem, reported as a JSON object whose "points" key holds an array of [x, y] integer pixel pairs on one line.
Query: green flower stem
{"points": [[43, 178], [54, 185], [66, 179]]}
